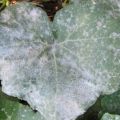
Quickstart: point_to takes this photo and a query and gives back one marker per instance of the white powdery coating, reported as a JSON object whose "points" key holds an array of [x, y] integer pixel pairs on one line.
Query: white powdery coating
{"points": [[108, 116], [64, 79]]}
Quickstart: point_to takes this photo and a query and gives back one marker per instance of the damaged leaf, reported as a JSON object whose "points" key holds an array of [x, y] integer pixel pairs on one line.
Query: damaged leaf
{"points": [[59, 68]]}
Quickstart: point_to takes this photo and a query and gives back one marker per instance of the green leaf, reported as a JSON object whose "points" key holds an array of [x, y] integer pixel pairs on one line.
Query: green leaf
{"points": [[59, 68], [111, 103], [11, 109], [110, 117], [112, 3]]}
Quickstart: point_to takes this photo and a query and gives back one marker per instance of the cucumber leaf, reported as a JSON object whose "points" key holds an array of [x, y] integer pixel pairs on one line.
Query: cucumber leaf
{"points": [[59, 68]]}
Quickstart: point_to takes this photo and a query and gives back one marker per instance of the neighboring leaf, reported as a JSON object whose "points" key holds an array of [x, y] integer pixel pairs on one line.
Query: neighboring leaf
{"points": [[111, 103], [61, 76], [3, 3], [11, 109], [110, 117]]}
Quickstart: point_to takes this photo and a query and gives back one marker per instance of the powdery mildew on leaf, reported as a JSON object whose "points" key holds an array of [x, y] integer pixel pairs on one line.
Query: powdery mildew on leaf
{"points": [[108, 116], [60, 79], [112, 2]]}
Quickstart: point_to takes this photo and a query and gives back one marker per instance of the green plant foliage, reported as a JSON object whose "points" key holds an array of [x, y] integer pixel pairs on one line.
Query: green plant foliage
{"points": [[111, 103], [60, 68], [110, 117], [11, 109], [3, 3]]}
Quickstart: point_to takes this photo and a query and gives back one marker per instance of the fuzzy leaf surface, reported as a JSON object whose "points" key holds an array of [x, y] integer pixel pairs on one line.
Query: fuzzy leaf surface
{"points": [[59, 68]]}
